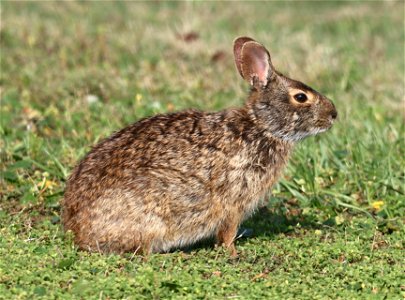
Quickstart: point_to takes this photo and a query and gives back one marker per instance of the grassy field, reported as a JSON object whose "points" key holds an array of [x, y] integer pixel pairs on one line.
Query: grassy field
{"points": [[72, 73]]}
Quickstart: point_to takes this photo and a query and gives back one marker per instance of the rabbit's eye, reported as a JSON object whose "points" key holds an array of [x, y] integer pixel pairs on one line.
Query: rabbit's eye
{"points": [[301, 97]]}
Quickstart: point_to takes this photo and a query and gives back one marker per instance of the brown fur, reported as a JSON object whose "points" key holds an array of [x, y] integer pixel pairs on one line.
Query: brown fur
{"points": [[170, 180]]}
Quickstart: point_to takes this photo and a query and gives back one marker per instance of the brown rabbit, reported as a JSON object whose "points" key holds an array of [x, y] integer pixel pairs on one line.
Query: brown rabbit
{"points": [[171, 180]]}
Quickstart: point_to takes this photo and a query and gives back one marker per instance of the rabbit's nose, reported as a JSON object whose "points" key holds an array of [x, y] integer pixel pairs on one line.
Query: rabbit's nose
{"points": [[334, 114], [333, 111]]}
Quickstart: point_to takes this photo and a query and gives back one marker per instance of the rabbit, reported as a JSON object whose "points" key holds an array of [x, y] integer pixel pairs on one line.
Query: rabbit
{"points": [[171, 180]]}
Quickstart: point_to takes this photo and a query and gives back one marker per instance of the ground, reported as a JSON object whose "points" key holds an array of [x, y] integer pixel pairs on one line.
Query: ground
{"points": [[74, 72]]}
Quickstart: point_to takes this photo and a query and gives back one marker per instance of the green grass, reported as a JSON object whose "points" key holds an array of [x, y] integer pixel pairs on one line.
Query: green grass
{"points": [[72, 73]]}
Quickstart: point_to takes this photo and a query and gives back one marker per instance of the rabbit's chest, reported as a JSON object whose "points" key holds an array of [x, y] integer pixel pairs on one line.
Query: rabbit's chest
{"points": [[251, 173]]}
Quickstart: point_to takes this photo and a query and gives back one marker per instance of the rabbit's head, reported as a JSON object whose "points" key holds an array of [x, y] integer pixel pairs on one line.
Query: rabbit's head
{"points": [[287, 108]]}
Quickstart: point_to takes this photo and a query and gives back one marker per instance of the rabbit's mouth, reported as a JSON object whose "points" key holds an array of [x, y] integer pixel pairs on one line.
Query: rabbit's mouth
{"points": [[325, 124]]}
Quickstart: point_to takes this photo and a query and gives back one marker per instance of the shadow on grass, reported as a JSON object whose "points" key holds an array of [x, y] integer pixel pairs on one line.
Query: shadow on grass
{"points": [[268, 222], [264, 223]]}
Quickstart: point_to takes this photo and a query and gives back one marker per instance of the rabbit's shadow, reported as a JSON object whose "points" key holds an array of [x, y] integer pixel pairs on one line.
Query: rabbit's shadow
{"points": [[270, 222], [264, 223]]}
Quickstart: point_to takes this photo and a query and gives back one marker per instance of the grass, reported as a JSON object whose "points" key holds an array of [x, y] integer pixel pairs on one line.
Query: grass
{"points": [[72, 73]]}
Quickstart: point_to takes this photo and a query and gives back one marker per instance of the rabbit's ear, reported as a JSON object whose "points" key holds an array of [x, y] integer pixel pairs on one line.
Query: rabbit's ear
{"points": [[237, 51], [253, 61]]}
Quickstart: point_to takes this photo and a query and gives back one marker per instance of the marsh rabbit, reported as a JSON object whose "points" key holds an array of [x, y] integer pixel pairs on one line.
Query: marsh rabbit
{"points": [[170, 180]]}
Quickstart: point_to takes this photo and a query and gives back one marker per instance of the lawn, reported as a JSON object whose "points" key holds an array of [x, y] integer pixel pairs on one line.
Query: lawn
{"points": [[73, 73]]}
